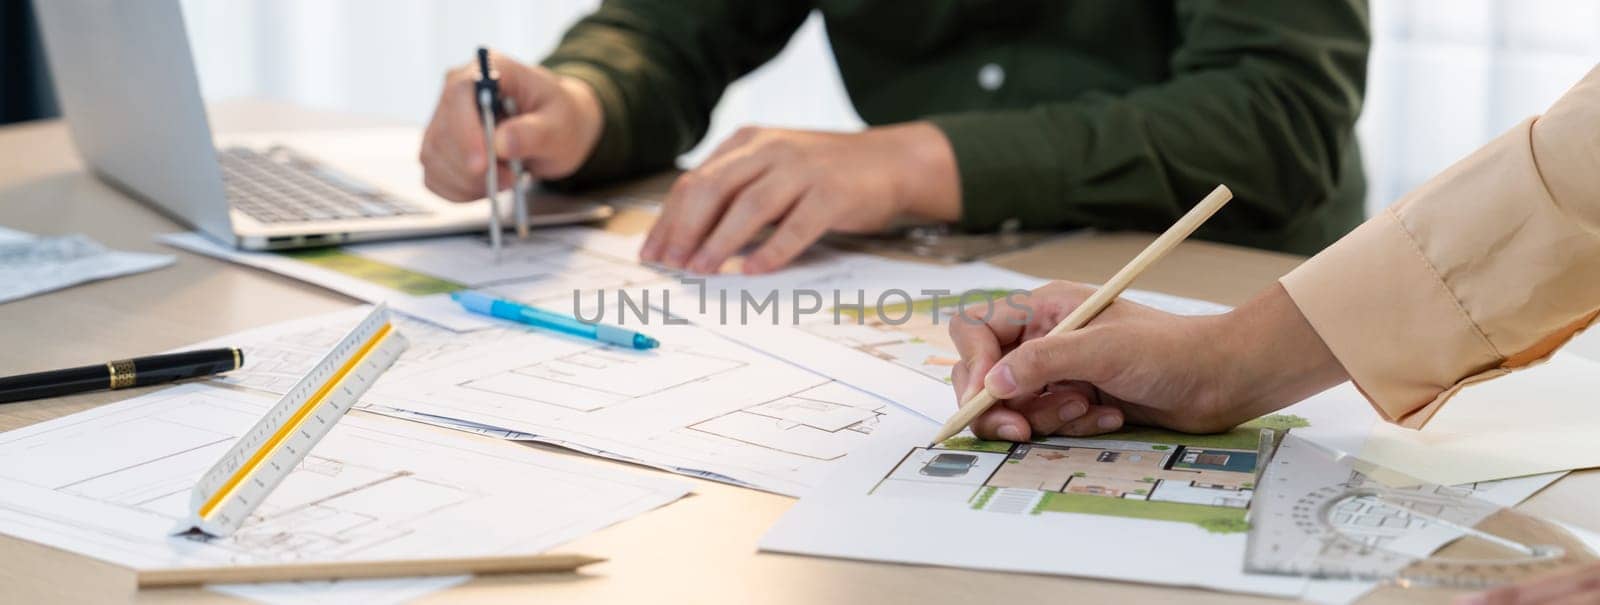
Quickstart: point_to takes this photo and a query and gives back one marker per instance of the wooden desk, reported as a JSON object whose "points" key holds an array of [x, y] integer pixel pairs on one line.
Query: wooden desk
{"points": [[701, 549]]}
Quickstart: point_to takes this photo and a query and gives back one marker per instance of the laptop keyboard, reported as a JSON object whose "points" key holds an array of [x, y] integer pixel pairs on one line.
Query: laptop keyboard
{"points": [[279, 186]]}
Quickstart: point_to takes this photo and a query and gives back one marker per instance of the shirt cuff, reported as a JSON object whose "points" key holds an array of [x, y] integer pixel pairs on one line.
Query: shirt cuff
{"points": [[995, 154], [609, 158], [1388, 317]]}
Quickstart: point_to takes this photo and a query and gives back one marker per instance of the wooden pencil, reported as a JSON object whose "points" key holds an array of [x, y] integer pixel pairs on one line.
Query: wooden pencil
{"points": [[1102, 298], [343, 570]]}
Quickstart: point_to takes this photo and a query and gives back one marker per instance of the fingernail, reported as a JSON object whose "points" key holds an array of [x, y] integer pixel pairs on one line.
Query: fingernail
{"points": [[1073, 410], [1108, 422], [1000, 381], [1009, 433]]}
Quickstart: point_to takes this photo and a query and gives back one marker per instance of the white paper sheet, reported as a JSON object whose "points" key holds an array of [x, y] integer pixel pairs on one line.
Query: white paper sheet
{"points": [[415, 276], [895, 349], [699, 405], [901, 502], [32, 265], [926, 511], [899, 348], [111, 483], [1537, 420]]}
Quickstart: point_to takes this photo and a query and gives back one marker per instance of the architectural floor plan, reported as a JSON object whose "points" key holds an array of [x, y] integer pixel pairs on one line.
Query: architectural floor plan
{"points": [[700, 404], [113, 483], [1206, 480], [878, 325]]}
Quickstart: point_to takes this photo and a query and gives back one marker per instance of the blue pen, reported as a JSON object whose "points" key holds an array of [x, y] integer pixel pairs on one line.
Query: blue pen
{"points": [[540, 318]]}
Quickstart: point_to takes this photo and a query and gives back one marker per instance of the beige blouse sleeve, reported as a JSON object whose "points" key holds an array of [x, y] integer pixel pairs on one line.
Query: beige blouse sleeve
{"points": [[1486, 268]]}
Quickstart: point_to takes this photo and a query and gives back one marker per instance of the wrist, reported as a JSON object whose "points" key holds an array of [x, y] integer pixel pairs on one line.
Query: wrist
{"points": [[1271, 356], [926, 182]]}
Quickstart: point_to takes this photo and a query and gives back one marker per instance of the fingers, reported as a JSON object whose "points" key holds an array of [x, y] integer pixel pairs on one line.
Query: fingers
{"points": [[1056, 407], [982, 333], [1096, 420], [805, 224], [1073, 409], [741, 137], [967, 375], [531, 87], [448, 188], [1049, 304], [533, 138], [696, 201], [1576, 584], [979, 334], [1001, 422], [462, 125], [452, 152], [1041, 361], [758, 205], [453, 155]]}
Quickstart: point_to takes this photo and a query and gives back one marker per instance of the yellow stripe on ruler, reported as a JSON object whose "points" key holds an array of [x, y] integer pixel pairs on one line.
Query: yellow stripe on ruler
{"points": [[293, 423]]}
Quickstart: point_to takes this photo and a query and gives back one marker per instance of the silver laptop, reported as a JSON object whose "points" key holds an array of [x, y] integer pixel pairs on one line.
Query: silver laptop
{"points": [[126, 82]]}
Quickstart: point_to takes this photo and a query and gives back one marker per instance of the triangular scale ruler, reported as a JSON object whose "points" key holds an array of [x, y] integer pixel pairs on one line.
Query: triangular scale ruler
{"points": [[1316, 515], [259, 461]]}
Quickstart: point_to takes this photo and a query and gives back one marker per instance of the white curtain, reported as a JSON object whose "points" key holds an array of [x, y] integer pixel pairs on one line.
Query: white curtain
{"points": [[1445, 76]]}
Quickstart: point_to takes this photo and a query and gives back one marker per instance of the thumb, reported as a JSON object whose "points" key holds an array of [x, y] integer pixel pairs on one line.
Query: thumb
{"points": [[530, 87], [1041, 361]]}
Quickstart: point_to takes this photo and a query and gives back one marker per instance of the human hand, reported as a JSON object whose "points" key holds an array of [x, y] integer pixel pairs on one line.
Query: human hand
{"points": [[557, 125], [1572, 587], [1134, 364], [805, 183]]}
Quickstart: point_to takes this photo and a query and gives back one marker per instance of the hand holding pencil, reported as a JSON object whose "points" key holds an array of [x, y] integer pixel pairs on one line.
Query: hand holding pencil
{"points": [[982, 344]]}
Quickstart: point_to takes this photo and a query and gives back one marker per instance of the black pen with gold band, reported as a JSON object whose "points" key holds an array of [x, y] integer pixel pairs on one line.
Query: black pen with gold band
{"points": [[120, 374]]}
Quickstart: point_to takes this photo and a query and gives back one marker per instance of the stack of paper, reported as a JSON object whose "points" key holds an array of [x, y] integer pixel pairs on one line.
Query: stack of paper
{"points": [[113, 483], [1537, 420]]}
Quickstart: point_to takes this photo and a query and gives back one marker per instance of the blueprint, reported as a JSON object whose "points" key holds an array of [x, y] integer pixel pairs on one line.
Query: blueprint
{"points": [[699, 405], [111, 483], [876, 324]]}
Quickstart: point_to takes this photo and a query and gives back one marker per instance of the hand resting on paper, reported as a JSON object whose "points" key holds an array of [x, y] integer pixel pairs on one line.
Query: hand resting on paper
{"points": [[1136, 365], [803, 184]]}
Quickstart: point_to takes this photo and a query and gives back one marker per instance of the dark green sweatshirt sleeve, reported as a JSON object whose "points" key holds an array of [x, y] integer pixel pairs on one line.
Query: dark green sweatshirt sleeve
{"points": [[1263, 96], [658, 68]]}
